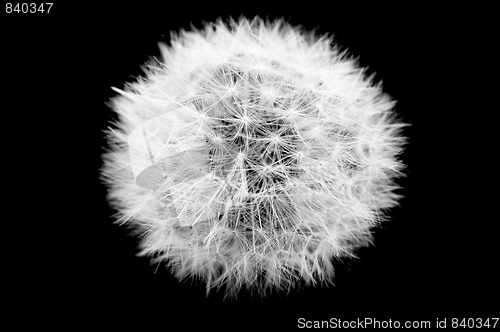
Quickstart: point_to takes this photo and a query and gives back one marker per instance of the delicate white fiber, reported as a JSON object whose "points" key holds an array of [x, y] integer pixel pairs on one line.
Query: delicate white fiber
{"points": [[253, 154]]}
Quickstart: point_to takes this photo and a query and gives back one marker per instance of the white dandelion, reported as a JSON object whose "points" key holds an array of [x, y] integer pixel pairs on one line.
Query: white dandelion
{"points": [[252, 155]]}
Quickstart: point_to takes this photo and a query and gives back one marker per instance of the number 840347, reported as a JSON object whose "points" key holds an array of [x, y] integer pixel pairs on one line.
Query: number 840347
{"points": [[28, 8]]}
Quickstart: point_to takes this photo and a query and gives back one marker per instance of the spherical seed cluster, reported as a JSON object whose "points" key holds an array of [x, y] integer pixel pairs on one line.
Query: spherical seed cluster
{"points": [[253, 154]]}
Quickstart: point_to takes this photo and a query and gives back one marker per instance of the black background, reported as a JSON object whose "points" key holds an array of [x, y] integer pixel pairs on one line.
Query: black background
{"points": [[436, 258]]}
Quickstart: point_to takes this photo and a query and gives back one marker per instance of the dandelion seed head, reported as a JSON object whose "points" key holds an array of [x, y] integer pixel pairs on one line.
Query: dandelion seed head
{"points": [[256, 154]]}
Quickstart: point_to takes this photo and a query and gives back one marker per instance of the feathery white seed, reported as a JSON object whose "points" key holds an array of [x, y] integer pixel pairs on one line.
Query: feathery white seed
{"points": [[254, 156]]}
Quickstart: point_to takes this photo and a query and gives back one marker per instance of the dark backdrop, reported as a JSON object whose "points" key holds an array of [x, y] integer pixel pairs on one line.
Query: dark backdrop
{"points": [[435, 259]]}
